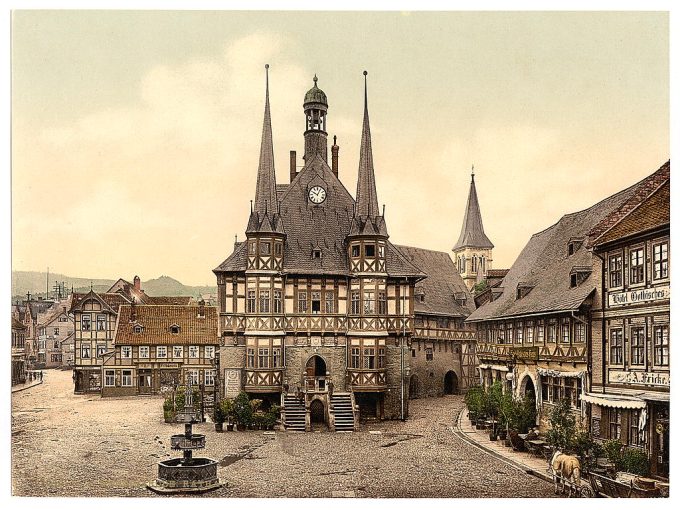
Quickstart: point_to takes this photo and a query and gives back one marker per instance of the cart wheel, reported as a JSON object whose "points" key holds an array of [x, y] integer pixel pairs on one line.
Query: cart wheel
{"points": [[586, 492]]}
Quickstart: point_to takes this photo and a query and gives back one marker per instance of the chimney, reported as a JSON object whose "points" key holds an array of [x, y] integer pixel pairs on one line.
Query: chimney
{"points": [[201, 308], [293, 165], [138, 283], [334, 155], [133, 311]]}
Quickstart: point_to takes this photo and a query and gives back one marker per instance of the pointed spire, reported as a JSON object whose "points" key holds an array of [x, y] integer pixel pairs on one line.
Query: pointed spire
{"points": [[472, 233], [265, 190], [367, 197]]}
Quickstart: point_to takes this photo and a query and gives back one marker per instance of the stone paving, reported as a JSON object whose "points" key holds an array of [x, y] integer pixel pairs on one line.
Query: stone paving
{"points": [[81, 445]]}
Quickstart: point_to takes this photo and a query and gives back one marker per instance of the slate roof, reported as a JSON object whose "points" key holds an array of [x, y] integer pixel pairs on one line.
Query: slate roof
{"points": [[157, 320], [472, 232], [310, 227], [646, 209], [544, 265], [442, 283]]}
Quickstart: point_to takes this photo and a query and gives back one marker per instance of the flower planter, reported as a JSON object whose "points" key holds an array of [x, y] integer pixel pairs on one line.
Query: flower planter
{"points": [[219, 427], [230, 427], [240, 427]]}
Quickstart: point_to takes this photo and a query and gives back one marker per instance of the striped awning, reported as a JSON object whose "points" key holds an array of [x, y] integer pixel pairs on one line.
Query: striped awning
{"points": [[618, 401]]}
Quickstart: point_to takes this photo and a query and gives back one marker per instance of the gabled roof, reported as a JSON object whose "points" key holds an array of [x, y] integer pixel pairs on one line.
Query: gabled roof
{"points": [[472, 232], [443, 282], [156, 321], [109, 301], [16, 324], [545, 265], [647, 208]]}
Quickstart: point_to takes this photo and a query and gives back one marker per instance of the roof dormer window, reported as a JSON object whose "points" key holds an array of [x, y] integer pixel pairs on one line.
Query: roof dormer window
{"points": [[138, 328], [174, 329], [578, 275], [460, 297], [316, 253], [523, 289], [574, 244]]}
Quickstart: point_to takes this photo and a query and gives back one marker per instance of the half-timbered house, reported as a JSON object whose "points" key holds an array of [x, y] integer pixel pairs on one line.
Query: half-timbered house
{"points": [[630, 394], [317, 305]]}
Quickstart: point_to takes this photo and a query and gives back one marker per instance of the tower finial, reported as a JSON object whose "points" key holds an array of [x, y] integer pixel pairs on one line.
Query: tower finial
{"points": [[266, 78], [473, 171], [315, 79], [365, 89]]}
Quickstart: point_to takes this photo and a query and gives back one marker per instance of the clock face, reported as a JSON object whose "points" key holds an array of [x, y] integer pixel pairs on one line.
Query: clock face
{"points": [[317, 194]]}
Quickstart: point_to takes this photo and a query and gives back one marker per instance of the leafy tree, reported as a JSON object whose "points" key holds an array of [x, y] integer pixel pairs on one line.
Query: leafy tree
{"points": [[562, 426], [243, 410]]}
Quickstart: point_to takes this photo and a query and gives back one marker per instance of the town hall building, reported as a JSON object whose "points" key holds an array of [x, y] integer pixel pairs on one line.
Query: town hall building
{"points": [[320, 311]]}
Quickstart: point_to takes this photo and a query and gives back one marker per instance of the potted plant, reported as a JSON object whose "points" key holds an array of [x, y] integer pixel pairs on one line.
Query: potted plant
{"points": [[272, 416], [494, 398], [243, 411], [255, 405], [472, 402], [219, 417], [227, 406], [169, 412], [258, 420]]}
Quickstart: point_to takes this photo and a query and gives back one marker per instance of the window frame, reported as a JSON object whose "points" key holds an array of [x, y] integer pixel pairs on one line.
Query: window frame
{"points": [[663, 347], [101, 322], [637, 350], [264, 300], [616, 349], [85, 351], [177, 352], [661, 262], [126, 351], [163, 349], [126, 375], [615, 270], [86, 319], [109, 383], [636, 271], [209, 352], [144, 352], [194, 352]]}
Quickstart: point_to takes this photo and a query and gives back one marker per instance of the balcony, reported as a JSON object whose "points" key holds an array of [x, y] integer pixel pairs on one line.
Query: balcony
{"points": [[264, 380], [367, 379]]}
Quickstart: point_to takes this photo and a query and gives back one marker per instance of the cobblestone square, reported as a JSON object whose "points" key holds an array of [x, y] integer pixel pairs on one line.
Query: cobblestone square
{"points": [[85, 446]]}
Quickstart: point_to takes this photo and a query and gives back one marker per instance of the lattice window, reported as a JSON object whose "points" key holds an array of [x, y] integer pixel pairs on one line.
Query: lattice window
{"points": [[616, 346], [330, 301], [264, 301]]}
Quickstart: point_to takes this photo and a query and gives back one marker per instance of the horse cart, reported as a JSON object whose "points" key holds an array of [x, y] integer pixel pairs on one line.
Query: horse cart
{"points": [[624, 486]]}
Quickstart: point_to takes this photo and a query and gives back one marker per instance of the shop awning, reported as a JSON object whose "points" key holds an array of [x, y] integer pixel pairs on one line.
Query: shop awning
{"points": [[657, 397], [502, 368], [545, 372], [618, 401]]}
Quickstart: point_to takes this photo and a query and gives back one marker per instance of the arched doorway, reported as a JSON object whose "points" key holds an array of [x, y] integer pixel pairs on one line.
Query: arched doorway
{"points": [[413, 387], [315, 374], [450, 383], [527, 388], [317, 414]]}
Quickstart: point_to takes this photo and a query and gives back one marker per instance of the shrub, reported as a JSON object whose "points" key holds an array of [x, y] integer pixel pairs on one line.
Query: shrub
{"points": [[243, 410], [634, 460], [475, 400], [494, 399], [613, 450]]}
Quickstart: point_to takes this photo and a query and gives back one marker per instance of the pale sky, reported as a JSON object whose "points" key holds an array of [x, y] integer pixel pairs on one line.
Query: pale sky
{"points": [[135, 135]]}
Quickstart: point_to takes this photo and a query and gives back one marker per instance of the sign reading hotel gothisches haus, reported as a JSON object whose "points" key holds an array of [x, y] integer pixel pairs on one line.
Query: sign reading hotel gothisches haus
{"points": [[639, 296], [646, 378]]}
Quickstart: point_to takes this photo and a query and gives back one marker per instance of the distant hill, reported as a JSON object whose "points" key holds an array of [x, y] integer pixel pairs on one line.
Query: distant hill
{"points": [[35, 282]]}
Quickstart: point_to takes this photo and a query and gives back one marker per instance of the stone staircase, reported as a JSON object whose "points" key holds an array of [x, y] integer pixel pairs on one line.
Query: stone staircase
{"points": [[293, 413], [342, 407]]}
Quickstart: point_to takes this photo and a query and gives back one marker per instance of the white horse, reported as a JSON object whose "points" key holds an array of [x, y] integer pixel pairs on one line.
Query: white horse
{"points": [[565, 467]]}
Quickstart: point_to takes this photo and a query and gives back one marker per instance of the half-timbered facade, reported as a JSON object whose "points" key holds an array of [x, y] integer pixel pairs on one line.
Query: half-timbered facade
{"points": [[317, 302], [18, 352], [630, 394], [534, 334], [157, 347]]}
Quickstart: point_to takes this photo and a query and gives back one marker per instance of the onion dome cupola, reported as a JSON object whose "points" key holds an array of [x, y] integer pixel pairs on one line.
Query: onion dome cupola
{"points": [[316, 110], [265, 230], [368, 231]]}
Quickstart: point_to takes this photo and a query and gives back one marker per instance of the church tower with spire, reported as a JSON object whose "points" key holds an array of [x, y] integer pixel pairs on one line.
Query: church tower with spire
{"points": [[473, 250], [265, 233]]}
